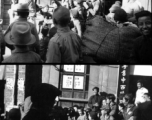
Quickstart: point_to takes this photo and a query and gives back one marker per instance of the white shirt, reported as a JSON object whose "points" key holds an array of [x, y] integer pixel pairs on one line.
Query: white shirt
{"points": [[139, 95]]}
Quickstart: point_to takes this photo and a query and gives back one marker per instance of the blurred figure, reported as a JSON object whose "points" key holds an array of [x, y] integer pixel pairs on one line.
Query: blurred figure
{"points": [[14, 114], [42, 102], [121, 98], [105, 113], [23, 13], [65, 46], [112, 105], [142, 46], [130, 111], [145, 108], [121, 108], [140, 93], [95, 101], [81, 114]]}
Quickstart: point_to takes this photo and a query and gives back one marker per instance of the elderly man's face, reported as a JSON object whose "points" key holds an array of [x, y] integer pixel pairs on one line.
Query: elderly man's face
{"points": [[144, 24]]}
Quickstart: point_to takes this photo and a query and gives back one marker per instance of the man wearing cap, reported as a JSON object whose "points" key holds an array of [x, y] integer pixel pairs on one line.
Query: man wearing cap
{"points": [[95, 101], [20, 37], [65, 46], [23, 12], [43, 99]]}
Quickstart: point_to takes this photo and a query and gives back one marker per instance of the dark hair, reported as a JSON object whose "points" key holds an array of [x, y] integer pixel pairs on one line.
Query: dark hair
{"points": [[120, 15], [45, 31], [111, 96], [139, 81], [63, 22], [96, 88], [23, 14], [121, 96], [142, 14]]}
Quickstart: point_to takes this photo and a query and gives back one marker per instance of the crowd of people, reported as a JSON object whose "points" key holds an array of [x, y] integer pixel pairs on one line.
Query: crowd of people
{"points": [[63, 27], [42, 105]]}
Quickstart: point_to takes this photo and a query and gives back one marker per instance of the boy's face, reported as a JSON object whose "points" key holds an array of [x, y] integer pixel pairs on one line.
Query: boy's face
{"points": [[144, 24], [103, 112], [104, 102]]}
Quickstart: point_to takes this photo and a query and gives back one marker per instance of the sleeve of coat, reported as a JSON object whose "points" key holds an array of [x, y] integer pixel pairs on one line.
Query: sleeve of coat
{"points": [[113, 111], [90, 102], [53, 53]]}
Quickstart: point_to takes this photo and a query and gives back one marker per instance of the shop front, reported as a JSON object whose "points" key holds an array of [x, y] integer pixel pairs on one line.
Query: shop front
{"points": [[75, 81]]}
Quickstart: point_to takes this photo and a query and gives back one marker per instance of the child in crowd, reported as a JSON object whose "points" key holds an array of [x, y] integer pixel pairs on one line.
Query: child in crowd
{"points": [[82, 116], [105, 113], [21, 37]]}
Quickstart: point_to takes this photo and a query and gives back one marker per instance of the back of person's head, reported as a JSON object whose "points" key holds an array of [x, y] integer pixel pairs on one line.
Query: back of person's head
{"points": [[143, 13], [22, 10], [14, 114], [111, 97], [120, 16], [61, 16], [43, 95]]}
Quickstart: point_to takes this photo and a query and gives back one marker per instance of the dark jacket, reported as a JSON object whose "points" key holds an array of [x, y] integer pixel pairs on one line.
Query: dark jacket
{"points": [[95, 99], [143, 50]]}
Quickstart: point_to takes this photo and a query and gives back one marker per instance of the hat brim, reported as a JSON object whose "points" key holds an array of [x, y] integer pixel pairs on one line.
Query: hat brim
{"points": [[9, 41]]}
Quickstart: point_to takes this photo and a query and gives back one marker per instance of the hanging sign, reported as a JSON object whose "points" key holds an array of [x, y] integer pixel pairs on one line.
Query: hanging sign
{"points": [[69, 68], [123, 79], [67, 81], [9, 87], [79, 68], [78, 82]]}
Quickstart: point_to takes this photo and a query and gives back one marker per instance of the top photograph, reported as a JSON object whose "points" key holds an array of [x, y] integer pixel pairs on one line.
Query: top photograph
{"points": [[76, 31]]}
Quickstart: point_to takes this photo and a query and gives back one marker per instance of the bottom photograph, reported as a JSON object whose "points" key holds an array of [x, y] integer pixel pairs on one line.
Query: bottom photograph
{"points": [[75, 92]]}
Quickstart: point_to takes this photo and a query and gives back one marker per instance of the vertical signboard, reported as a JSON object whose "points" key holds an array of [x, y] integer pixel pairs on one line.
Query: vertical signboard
{"points": [[9, 86], [123, 79], [21, 81]]}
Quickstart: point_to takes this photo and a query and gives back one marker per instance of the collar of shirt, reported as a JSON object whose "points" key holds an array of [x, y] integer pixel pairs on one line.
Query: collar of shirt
{"points": [[24, 19], [63, 29], [18, 50]]}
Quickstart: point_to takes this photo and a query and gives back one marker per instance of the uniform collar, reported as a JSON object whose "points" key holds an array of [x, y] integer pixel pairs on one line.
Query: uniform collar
{"points": [[63, 29], [18, 50]]}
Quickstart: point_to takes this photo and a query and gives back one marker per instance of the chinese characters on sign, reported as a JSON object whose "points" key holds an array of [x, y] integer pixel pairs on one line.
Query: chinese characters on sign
{"points": [[9, 86], [79, 68], [78, 82], [21, 80], [69, 68], [67, 81], [122, 79]]}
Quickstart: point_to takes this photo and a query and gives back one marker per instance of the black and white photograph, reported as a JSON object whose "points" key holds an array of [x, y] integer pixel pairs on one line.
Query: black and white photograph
{"points": [[75, 92], [76, 31]]}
